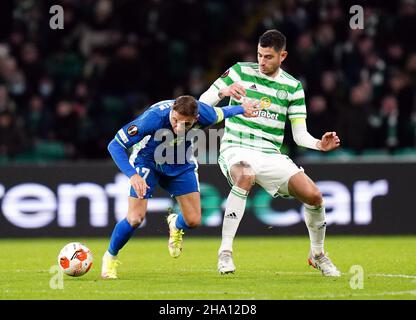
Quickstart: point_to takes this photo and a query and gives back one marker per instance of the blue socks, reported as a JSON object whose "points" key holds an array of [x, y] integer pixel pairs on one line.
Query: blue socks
{"points": [[180, 223], [121, 234], [123, 231]]}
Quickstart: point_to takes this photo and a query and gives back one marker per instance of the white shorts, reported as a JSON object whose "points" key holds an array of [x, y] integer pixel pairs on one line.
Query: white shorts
{"points": [[272, 171]]}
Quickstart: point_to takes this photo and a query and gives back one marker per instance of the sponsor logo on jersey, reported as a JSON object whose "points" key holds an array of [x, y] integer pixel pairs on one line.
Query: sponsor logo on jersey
{"points": [[132, 130], [265, 102], [281, 94], [266, 114], [253, 87]]}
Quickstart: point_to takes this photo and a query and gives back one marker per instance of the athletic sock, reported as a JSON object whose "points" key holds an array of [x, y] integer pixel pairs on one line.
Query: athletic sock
{"points": [[234, 211], [109, 255], [180, 223], [121, 234], [315, 222]]}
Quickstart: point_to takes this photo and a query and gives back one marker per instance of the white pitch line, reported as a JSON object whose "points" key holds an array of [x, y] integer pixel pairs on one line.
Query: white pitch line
{"points": [[135, 292], [407, 276], [393, 275], [386, 293], [313, 272], [204, 292]]}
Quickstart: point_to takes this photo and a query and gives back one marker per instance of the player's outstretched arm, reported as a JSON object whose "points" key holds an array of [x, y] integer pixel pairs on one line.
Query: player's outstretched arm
{"points": [[248, 109], [302, 137], [211, 115]]}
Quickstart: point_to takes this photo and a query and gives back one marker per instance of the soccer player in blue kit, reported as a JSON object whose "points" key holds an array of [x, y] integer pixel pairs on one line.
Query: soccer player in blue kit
{"points": [[150, 168]]}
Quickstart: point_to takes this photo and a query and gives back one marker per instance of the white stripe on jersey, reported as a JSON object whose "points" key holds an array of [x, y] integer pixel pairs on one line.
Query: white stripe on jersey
{"points": [[123, 136]]}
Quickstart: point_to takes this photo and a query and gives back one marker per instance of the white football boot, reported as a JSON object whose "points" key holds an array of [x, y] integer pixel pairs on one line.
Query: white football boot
{"points": [[225, 262], [323, 263]]}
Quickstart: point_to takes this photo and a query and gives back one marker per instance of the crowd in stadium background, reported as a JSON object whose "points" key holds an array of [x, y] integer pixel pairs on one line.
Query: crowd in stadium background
{"points": [[64, 93]]}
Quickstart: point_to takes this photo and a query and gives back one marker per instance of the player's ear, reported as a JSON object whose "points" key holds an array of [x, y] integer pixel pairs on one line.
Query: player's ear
{"points": [[283, 55]]}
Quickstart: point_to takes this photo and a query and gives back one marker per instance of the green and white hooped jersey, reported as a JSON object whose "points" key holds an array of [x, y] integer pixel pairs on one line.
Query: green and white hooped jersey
{"points": [[280, 97]]}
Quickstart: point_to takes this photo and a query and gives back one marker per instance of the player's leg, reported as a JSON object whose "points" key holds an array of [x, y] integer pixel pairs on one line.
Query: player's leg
{"points": [[279, 176], [121, 234], [125, 228], [185, 189], [243, 179], [188, 218], [190, 215], [304, 189], [241, 176]]}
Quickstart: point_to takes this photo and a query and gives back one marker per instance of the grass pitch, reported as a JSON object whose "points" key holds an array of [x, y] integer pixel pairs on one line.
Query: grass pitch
{"points": [[267, 268]]}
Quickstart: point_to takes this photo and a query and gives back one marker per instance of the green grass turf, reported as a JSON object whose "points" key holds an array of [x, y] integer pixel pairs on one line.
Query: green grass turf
{"points": [[267, 268]]}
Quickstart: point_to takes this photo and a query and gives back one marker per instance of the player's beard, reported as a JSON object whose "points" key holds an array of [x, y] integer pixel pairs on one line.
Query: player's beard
{"points": [[272, 72]]}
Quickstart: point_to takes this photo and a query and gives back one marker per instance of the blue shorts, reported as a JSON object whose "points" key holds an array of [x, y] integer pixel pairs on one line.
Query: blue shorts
{"points": [[183, 183]]}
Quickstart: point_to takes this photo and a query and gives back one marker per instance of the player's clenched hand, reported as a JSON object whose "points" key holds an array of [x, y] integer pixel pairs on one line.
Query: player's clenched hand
{"points": [[235, 91], [329, 141], [250, 107], [139, 185]]}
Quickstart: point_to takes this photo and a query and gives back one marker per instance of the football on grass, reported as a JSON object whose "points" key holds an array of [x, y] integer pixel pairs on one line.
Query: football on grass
{"points": [[75, 259]]}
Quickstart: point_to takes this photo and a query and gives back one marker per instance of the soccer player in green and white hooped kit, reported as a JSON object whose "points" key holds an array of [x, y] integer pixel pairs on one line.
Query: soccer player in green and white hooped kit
{"points": [[250, 148]]}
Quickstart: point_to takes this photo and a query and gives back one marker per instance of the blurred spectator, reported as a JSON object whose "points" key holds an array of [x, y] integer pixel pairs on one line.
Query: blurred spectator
{"points": [[405, 26], [31, 65], [354, 119], [6, 103], [386, 124], [401, 87], [125, 74], [37, 119], [12, 138], [65, 126], [395, 56], [411, 69], [320, 119], [330, 90], [303, 61]]}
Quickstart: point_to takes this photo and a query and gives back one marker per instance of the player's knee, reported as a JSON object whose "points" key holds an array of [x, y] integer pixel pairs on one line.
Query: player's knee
{"points": [[243, 176], [245, 179], [248, 177], [315, 197], [135, 221]]}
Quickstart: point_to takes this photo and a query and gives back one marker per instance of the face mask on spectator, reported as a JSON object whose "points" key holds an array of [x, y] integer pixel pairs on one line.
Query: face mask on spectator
{"points": [[45, 90], [17, 88]]}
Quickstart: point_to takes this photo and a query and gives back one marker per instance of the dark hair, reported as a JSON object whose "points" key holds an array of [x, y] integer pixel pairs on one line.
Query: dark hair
{"points": [[273, 38], [186, 106]]}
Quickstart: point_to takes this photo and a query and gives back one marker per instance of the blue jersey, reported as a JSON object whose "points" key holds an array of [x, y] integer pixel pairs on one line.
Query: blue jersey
{"points": [[147, 129]]}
